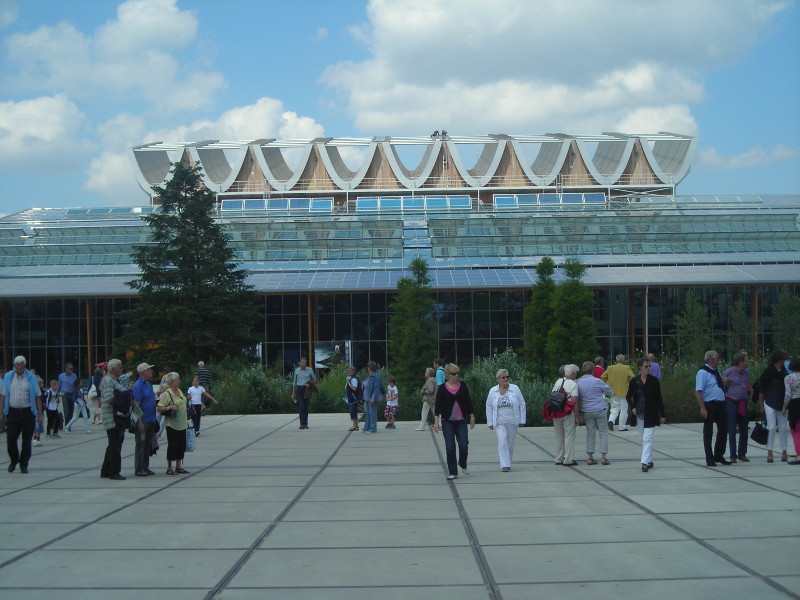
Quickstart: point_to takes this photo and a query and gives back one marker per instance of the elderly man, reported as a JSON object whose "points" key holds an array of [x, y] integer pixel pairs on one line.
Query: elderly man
{"points": [[112, 463], [144, 399], [655, 369], [21, 409], [710, 393], [67, 386], [618, 376]]}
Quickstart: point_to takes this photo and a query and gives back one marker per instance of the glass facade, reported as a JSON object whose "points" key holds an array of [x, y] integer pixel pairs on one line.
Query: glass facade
{"points": [[50, 333]]}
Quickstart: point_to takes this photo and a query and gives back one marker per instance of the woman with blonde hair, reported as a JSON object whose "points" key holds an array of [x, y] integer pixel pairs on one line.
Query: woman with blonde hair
{"points": [[452, 411], [173, 406]]}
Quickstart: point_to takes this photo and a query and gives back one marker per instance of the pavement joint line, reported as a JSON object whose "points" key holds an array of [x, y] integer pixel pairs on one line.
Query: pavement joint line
{"points": [[222, 584], [477, 551], [675, 527], [169, 485], [74, 471]]}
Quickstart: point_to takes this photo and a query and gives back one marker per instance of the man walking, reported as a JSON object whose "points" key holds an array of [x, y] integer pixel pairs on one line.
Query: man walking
{"points": [[618, 376], [112, 463], [21, 409], [710, 393], [302, 375], [67, 383]]}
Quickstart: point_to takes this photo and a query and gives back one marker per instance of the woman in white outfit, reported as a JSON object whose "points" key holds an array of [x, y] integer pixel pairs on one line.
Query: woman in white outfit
{"points": [[428, 398], [505, 413]]}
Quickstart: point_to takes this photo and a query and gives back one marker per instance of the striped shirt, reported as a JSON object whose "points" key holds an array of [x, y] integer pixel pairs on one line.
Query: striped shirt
{"points": [[19, 394]]}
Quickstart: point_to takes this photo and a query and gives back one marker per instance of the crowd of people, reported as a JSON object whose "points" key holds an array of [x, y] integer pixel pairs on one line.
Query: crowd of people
{"points": [[122, 404]]}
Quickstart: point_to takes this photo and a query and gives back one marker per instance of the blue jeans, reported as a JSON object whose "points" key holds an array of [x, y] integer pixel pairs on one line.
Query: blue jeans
{"points": [[302, 404], [371, 416], [455, 431], [734, 419]]}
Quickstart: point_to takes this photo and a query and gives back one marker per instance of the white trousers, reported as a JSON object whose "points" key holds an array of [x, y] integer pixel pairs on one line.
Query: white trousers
{"points": [[506, 434], [426, 408], [777, 420], [647, 434], [564, 429], [619, 408]]}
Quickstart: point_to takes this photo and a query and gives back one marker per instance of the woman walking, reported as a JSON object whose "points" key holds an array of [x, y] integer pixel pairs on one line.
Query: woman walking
{"points": [[505, 413], [644, 398], [594, 412], [452, 411], [770, 401]]}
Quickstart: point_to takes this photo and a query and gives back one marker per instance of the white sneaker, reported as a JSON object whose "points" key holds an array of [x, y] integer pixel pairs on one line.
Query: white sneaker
{"points": [[451, 477], [465, 471], [88, 431], [622, 429], [418, 429], [37, 443]]}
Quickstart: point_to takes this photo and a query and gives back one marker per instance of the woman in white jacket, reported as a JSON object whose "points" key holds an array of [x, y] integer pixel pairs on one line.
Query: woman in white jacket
{"points": [[505, 412]]}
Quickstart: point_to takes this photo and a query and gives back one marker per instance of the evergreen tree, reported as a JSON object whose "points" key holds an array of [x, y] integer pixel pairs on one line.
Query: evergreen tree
{"points": [[413, 332], [741, 329], [538, 317], [572, 337], [785, 322], [693, 330], [193, 300]]}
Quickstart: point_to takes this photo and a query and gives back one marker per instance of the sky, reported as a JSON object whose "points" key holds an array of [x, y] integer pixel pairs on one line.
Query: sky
{"points": [[82, 82]]}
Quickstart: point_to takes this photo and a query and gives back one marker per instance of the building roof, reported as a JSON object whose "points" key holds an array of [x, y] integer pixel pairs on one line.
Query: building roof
{"points": [[626, 242], [611, 160]]}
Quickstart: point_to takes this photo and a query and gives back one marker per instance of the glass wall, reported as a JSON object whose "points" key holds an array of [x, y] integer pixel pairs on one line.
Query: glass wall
{"points": [[50, 333]]}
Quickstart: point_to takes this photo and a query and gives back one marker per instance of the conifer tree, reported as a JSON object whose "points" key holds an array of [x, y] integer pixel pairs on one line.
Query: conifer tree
{"points": [[538, 317], [785, 322], [193, 301], [693, 330], [413, 331]]}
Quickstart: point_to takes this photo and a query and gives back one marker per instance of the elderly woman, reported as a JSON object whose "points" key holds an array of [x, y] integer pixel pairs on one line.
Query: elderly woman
{"points": [[791, 405], [644, 398], [452, 411], [174, 400], [565, 421], [594, 412], [505, 412], [428, 397], [112, 462], [770, 400]]}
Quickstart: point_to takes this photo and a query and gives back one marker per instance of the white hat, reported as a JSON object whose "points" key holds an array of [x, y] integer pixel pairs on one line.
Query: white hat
{"points": [[143, 367]]}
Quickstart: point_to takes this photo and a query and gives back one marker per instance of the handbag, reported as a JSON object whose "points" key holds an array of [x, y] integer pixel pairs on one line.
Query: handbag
{"points": [[760, 434], [190, 446]]}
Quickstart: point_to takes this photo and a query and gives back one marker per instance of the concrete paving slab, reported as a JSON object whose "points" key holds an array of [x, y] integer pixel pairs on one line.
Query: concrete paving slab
{"points": [[273, 512], [393, 567]]}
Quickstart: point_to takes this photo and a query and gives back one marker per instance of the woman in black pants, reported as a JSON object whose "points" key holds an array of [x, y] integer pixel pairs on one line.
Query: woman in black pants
{"points": [[453, 410]]}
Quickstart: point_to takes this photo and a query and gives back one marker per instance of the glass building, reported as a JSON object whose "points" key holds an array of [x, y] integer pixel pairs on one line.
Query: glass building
{"points": [[325, 243]]}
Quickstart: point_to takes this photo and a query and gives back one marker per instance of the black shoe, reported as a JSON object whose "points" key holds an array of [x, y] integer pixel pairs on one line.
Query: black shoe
{"points": [[149, 472], [711, 463], [611, 425], [11, 467], [645, 468], [23, 469], [722, 461], [117, 477], [649, 465], [574, 463]]}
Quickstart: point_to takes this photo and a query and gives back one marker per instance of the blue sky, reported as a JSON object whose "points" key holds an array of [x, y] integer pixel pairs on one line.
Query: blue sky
{"points": [[82, 82]]}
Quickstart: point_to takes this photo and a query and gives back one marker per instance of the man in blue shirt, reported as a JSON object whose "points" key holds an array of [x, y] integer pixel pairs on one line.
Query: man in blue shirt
{"points": [[710, 393], [66, 387], [21, 409], [438, 365], [144, 399]]}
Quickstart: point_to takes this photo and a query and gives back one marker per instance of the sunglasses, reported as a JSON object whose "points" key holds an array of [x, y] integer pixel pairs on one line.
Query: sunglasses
{"points": [[504, 376], [454, 373]]}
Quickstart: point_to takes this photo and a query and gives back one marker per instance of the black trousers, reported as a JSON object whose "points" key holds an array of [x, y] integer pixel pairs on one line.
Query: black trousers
{"points": [[19, 421], [176, 444], [112, 463], [144, 439], [715, 414]]}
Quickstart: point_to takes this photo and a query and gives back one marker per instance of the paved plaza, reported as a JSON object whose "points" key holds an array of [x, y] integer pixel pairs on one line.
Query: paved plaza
{"points": [[272, 512]]}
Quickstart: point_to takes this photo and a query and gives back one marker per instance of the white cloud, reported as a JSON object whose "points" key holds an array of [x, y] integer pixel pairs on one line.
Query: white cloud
{"points": [[9, 11], [42, 133], [535, 65], [709, 159], [130, 54], [320, 34], [112, 172]]}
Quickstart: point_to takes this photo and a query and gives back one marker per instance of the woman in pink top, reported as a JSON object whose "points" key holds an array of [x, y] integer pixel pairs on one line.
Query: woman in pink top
{"points": [[452, 412]]}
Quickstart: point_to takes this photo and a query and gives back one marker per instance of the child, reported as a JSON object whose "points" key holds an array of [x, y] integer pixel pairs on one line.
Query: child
{"points": [[51, 403], [391, 403], [80, 409]]}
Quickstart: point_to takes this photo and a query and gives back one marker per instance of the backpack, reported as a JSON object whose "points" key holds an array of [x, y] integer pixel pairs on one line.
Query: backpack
{"points": [[558, 399], [357, 396]]}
